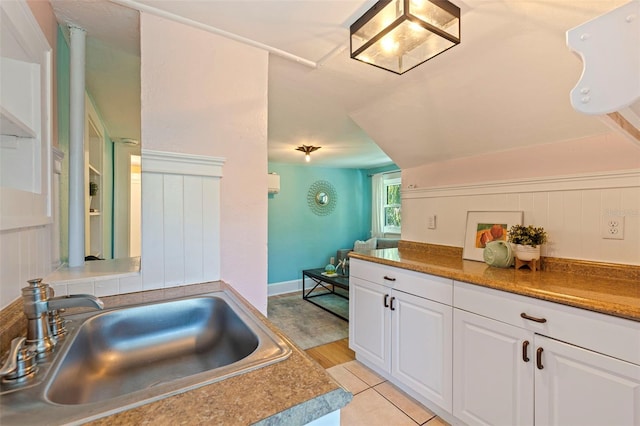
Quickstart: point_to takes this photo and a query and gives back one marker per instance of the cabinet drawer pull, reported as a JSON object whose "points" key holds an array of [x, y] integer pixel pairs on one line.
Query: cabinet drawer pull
{"points": [[386, 301], [389, 278], [540, 320], [525, 350], [391, 304], [539, 358]]}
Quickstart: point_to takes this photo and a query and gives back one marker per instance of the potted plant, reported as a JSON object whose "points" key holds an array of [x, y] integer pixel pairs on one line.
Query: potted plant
{"points": [[527, 241], [93, 189]]}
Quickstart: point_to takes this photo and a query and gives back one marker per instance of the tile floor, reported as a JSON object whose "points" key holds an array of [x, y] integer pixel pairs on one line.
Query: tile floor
{"points": [[376, 401]]}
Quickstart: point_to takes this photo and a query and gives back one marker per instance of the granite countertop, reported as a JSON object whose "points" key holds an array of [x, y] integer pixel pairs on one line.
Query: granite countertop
{"points": [[605, 288], [294, 391]]}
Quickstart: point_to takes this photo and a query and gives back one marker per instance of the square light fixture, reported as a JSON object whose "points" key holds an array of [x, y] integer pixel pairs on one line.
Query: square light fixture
{"points": [[398, 35]]}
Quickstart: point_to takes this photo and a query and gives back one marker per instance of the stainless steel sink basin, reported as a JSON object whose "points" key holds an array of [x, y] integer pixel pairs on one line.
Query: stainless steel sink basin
{"points": [[126, 357]]}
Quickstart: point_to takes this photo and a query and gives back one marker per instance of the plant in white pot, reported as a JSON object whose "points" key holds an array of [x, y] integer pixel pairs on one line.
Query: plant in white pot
{"points": [[527, 241]]}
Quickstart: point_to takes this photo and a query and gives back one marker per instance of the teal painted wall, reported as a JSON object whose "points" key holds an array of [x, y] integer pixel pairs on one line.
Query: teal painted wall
{"points": [[298, 238]]}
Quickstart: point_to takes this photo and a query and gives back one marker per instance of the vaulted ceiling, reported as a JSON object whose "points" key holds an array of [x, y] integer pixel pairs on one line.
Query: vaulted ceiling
{"points": [[505, 86]]}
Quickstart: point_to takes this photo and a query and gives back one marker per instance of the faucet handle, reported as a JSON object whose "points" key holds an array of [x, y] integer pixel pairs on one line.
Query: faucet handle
{"points": [[35, 282], [21, 362]]}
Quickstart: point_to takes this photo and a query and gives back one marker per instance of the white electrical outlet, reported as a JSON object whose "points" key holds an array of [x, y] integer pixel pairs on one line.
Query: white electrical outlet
{"points": [[613, 227], [431, 222]]}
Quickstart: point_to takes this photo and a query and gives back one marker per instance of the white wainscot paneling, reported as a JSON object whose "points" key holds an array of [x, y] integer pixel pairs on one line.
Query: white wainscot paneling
{"points": [[180, 219], [24, 254], [570, 208]]}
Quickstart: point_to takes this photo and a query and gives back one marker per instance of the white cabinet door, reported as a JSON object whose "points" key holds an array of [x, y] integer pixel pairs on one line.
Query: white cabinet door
{"points": [[492, 381], [421, 346], [580, 387], [369, 322]]}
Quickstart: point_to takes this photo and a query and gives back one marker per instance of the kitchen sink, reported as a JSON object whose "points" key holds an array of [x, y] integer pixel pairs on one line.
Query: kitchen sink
{"points": [[122, 358]]}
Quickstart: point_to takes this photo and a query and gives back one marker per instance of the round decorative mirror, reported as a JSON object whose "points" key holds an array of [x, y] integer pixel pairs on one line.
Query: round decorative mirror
{"points": [[322, 198]]}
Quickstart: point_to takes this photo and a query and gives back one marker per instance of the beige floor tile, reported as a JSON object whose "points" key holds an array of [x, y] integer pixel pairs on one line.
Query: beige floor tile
{"points": [[347, 379], [437, 421], [404, 402], [369, 408], [364, 373]]}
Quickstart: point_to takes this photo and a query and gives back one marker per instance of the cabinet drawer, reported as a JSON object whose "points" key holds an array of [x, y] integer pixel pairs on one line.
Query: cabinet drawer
{"points": [[422, 285], [602, 333]]}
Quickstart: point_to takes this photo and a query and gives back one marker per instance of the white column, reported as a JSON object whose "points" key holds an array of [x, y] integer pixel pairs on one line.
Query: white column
{"points": [[76, 147]]}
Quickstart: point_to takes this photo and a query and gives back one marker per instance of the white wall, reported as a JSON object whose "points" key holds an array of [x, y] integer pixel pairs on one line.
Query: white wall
{"points": [[557, 186], [25, 254], [206, 95]]}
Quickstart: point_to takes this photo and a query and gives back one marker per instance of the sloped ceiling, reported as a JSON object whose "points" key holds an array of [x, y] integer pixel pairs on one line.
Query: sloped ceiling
{"points": [[505, 86]]}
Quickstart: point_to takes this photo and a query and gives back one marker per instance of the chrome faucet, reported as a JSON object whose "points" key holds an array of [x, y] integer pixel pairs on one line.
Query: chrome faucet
{"points": [[40, 305]]}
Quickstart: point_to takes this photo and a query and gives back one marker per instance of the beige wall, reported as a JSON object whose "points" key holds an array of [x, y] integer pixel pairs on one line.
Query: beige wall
{"points": [[206, 95], [600, 153]]}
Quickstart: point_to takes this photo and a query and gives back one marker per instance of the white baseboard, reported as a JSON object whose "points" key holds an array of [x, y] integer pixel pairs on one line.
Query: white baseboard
{"points": [[284, 287]]}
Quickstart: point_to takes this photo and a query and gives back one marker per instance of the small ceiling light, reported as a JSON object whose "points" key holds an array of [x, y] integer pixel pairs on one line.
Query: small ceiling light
{"points": [[308, 149], [398, 35]]}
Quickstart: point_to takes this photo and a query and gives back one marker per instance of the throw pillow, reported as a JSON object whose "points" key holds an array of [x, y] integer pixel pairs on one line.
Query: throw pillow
{"points": [[370, 244]]}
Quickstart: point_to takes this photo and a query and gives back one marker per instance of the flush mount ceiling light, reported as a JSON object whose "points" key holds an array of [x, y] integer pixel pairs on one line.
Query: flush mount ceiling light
{"points": [[308, 149], [398, 35]]}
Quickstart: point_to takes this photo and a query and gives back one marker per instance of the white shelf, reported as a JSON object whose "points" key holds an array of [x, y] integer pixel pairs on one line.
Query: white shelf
{"points": [[93, 170], [13, 126]]}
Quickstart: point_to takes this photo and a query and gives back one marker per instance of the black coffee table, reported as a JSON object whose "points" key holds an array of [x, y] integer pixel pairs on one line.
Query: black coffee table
{"points": [[327, 283]]}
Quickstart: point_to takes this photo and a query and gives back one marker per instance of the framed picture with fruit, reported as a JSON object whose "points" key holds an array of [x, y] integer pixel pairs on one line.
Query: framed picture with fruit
{"points": [[484, 227]]}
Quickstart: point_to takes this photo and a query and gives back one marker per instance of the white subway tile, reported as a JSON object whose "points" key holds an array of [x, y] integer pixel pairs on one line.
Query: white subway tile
{"points": [[106, 287], [130, 284], [60, 289], [82, 287]]}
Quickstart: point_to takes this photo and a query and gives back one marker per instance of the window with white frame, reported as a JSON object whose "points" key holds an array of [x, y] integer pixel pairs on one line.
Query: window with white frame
{"points": [[391, 204]]}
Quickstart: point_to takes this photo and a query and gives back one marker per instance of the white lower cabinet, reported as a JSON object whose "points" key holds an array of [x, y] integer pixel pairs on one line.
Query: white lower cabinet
{"points": [[421, 332], [403, 336], [370, 323], [574, 386], [511, 374], [492, 371]]}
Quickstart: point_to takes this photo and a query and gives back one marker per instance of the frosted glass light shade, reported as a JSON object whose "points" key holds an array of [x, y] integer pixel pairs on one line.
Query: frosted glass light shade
{"points": [[398, 35]]}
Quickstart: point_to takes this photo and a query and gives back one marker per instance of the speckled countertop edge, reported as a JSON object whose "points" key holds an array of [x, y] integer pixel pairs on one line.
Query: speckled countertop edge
{"points": [[612, 296], [297, 389]]}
